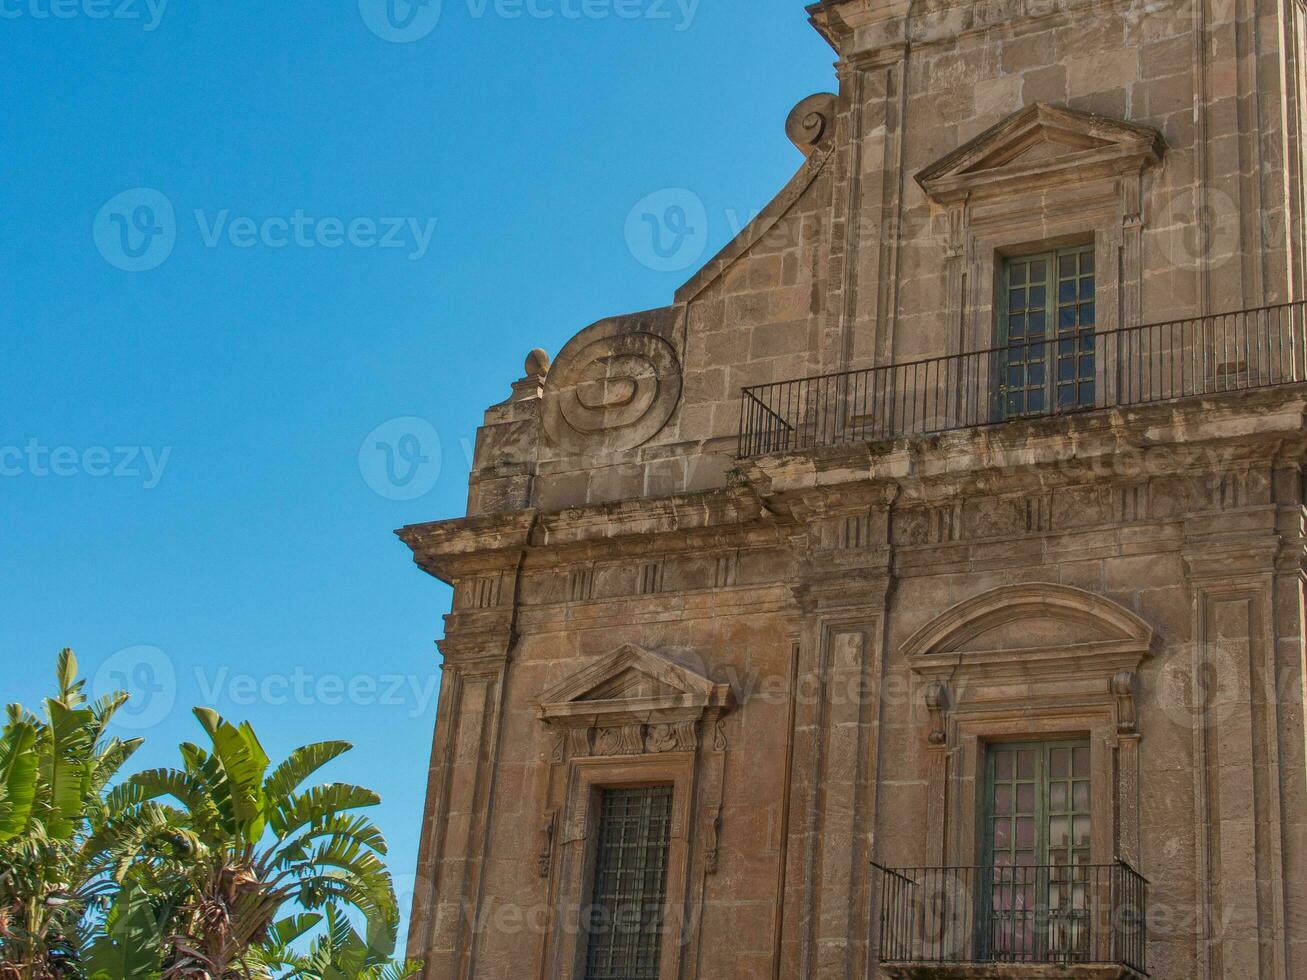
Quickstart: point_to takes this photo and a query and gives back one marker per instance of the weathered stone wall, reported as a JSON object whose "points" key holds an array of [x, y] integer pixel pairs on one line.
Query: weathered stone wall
{"points": [[815, 648]]}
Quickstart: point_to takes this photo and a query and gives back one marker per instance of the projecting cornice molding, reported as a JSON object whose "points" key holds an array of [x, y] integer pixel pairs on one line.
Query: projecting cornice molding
{"points": [[1038, 146]]}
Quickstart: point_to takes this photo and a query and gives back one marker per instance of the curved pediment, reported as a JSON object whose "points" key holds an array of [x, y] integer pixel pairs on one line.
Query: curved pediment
{"points": [[1034, 618], [1041, 144]]}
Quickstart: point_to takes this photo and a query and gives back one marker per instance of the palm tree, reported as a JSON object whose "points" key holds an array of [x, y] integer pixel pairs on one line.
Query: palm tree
{"points": [[54, 862], [233, 841], [338, 953]]}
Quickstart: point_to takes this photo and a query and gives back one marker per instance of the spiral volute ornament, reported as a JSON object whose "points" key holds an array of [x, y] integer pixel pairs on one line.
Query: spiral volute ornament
{"points": [[811, 122], [611, 390]]}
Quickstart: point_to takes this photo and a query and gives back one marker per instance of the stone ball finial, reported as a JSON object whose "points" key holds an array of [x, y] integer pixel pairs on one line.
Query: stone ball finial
{"points": [[811, 122], [537, 364]]}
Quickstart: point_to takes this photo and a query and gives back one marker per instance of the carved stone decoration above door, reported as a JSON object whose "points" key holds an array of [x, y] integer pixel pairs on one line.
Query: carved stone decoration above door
{"points": [[632, 702]]}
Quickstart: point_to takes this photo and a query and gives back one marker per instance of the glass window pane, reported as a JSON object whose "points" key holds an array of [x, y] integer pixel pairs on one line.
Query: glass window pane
{"points": [[1003, 764], [1025, 798], [1081, 762], [1081, 797], [1057, 798], [1087, 262], [1066, 266]]}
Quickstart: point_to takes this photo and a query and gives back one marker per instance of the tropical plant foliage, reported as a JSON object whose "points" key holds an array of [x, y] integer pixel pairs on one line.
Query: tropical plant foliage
{"points": [[54, 862], [226, 867]]}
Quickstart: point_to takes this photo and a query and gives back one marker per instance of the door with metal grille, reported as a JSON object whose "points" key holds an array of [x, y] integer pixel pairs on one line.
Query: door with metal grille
{"points": [[1047, 317], [630, 884]]}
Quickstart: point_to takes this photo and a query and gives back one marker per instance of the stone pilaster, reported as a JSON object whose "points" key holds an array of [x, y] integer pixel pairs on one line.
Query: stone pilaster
{"points": [[1233, 705], [843, 591]]}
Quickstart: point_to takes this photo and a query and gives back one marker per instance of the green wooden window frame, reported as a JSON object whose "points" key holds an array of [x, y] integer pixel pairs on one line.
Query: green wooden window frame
{"points": [[1046, 321], [1037, 803], [625, 920], [1037, 832]]}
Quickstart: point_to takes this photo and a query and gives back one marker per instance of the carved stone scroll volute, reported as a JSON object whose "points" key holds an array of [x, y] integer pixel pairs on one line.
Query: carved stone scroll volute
{"points": [[1123, 689], [545, 844], [711, 844], [937, 705]]}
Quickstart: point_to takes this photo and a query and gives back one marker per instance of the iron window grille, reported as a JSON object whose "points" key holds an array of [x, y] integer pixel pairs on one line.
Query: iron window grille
{"points": [[625, 920]]}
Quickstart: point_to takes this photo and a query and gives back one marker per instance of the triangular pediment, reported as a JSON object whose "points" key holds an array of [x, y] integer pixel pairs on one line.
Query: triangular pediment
{"points": [[633, 681], [630, 683], [1041, 143]]}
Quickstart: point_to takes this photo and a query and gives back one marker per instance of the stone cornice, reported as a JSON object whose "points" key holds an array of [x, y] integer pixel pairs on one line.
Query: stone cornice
{"points": [[1194, 436], [466, 546]]}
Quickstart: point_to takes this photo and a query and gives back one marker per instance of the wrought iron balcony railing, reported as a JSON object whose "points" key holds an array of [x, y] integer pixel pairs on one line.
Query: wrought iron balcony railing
{"points": [[1054, 915], [1030, 377]]}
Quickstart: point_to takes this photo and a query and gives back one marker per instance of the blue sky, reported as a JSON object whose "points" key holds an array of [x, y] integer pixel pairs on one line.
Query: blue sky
{"points": [[242, 239]]}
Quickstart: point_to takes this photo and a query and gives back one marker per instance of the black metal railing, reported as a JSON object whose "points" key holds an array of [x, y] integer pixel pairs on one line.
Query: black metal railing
{"points": [[1052, 914], [1030, 378]]}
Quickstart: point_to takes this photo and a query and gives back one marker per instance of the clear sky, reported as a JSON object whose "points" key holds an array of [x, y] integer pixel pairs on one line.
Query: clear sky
{"points": [[241, 236]]}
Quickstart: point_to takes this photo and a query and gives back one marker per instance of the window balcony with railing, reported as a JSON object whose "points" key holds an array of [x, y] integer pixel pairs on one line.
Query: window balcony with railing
{"points": [[1031, 375], [1009, 921]]}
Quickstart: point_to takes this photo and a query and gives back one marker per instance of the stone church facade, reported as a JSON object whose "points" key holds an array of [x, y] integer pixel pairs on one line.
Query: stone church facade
{"points": [[921, 593]]}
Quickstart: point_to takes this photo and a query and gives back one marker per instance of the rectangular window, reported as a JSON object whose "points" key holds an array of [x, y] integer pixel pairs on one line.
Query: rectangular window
{"points": [[1037, 841], [630, 884], [1046, 333]]}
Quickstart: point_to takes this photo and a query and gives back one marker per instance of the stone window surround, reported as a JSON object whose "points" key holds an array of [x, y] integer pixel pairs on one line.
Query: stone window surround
{"points": [[997, 206], [576, 871], [632, 738], [1076, 691]]}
